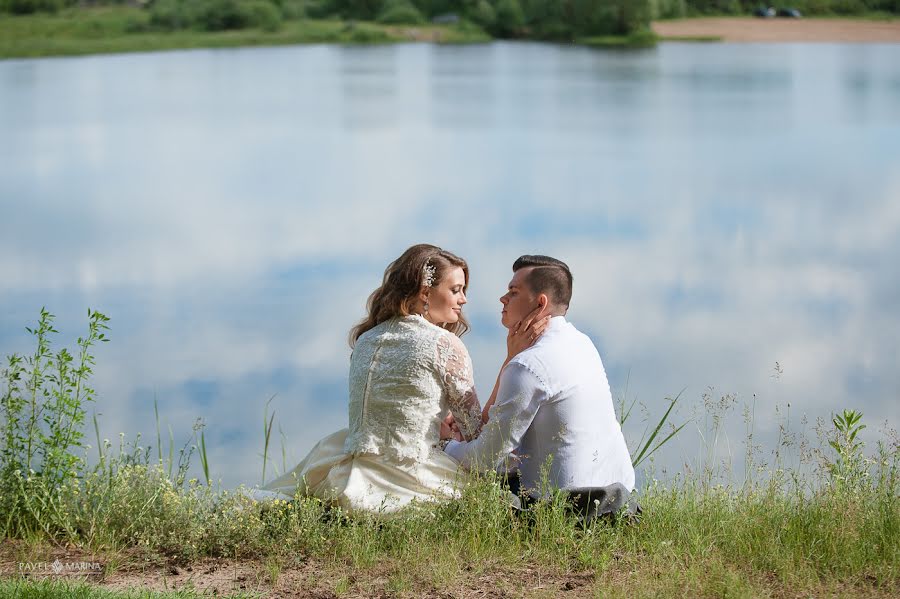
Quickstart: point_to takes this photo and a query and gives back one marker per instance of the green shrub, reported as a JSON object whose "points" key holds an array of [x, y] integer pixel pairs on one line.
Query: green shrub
{"points": [[400, 12], [642, 38], [220, 15], [618, 17], [483, 14], [510, 18], [24, 7], [293, 9], [538, 12], [431, 8], [170, 15], [215, 15], [321, 9], [263, 14], [847, 7], [548, 19], [587, 18], [714, 7], [668, 9], [365, 10], [138, 23], [557, 31], [813, 7]]}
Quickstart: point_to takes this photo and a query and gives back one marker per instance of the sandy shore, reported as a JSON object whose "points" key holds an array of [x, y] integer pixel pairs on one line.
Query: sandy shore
{"points": [[749, 29]]}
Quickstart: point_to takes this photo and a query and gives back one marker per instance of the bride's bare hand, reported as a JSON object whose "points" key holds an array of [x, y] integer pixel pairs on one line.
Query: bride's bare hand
{"points": [[526, 332], [450, 429]]}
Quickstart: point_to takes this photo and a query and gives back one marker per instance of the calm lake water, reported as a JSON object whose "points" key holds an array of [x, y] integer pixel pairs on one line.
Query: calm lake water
{"points": [[723, 207]]}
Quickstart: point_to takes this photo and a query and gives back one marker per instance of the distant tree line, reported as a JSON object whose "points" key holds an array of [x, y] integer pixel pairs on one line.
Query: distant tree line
{"points": [[538, 19], [24, 7], [546, 19]]}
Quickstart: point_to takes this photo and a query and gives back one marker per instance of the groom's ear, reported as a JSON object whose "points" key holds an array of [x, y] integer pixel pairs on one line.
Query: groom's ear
{"points": [[543, 301]]}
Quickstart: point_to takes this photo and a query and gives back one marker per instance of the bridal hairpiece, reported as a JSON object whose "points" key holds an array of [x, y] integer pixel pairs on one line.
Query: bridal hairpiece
{"points": [[430, 273]]}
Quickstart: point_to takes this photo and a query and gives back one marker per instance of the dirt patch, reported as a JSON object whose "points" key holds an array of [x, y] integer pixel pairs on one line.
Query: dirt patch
{"points": [[749, 29], [298, 578]]}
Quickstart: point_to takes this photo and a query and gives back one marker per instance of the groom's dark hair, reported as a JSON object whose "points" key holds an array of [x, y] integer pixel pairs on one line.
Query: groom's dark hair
{"points": [[549, 276]]}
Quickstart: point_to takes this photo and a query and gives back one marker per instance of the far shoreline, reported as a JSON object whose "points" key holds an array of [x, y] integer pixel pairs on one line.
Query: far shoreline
{"points": [[121, 29], [779, 30]]}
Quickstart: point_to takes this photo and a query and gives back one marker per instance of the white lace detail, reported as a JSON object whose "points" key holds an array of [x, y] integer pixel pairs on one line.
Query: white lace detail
{"points": [[454, 360], [405, 374]]}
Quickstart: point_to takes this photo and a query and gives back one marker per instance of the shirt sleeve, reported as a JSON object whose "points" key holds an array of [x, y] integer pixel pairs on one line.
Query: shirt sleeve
{"points": [[520, 395], [459, 383]]}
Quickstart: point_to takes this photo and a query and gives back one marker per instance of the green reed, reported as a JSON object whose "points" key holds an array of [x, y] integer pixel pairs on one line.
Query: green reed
{"points": [[268, 421]]}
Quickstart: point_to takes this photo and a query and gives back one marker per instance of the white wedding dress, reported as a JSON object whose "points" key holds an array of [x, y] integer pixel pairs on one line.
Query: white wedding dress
{"points": [[405, 374]]}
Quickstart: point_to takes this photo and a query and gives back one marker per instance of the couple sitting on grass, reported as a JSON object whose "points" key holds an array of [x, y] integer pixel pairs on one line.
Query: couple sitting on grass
{"points": [[415, 419]]}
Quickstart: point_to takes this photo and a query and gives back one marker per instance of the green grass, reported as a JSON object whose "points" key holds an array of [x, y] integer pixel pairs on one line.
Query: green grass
{"points": [[690, 38], [691, 540], [784, 535], [79, 31], [639, 39]]}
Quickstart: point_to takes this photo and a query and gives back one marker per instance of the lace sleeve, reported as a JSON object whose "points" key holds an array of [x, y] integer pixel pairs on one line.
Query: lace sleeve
{"points": [[456, 371]]}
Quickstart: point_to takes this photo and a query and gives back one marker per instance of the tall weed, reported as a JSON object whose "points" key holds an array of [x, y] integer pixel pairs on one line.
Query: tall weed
{"points": [[43, 406]]}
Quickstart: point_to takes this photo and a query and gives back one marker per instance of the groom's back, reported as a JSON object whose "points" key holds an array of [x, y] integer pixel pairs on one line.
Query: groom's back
{"points": [[575, 426]]}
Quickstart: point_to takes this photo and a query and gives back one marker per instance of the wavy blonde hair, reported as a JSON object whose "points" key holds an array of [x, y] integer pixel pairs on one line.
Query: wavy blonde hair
{"points": [[403, 280]]}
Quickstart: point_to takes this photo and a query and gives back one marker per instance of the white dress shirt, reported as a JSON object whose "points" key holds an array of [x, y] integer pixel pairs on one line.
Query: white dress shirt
{"points": [[553, 404]]}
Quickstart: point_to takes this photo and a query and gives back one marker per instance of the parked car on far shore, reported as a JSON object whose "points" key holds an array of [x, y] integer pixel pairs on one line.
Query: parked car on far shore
{"points": [[767, 12]]}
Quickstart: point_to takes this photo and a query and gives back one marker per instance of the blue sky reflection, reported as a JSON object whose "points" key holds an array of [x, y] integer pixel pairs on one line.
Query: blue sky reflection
{"points": [[231, 211]]}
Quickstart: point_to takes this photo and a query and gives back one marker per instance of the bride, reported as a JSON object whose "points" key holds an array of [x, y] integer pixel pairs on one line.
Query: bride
{"points": [[410, 375]]}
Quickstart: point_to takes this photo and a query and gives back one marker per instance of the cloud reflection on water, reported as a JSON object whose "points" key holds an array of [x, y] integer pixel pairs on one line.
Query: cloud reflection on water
{"points": [[231, 210]]}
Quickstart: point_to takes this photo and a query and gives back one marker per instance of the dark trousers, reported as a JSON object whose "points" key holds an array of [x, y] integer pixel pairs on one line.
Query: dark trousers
{"points": [[587, 504]]}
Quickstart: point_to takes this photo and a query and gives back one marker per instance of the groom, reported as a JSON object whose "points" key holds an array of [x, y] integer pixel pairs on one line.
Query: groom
{"points": [[552, 405]]}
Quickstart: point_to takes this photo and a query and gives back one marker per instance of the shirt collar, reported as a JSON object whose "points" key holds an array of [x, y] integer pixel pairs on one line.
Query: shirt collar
{"points": [[558, 320]]}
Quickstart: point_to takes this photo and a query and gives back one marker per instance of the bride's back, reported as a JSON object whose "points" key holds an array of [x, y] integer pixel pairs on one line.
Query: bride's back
{"points": [[396, 390]]}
